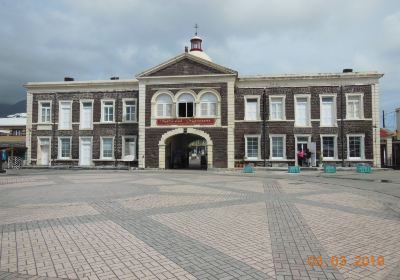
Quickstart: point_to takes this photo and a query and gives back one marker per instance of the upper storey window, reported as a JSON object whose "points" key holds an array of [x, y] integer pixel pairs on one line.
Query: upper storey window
{"points": [[252, 108], [302, 111], [108, 110], [164, 105], [45, 112], [277, 108], [186, 106], [208, 105], [354, 106]]}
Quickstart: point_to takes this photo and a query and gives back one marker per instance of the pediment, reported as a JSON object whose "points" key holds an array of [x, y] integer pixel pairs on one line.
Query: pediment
{"points": [[186, 65]]}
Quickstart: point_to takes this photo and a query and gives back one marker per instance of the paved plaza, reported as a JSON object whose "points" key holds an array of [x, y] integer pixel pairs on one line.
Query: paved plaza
{"points": [[199, 225]]}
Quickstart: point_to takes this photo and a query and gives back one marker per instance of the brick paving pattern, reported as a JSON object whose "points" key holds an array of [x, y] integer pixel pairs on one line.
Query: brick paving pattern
{"points": [[171, 225]]}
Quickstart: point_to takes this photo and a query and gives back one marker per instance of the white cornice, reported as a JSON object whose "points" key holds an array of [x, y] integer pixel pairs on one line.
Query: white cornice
{"points": [[83, 86], [319, 79]]}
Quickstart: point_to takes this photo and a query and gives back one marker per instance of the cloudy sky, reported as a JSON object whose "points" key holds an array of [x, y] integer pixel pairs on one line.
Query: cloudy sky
{"points": [[45, 40]]}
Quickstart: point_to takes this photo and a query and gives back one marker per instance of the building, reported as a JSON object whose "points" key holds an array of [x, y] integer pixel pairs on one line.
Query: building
{"points": [[390, 145], [12, 136], [153, 120]]}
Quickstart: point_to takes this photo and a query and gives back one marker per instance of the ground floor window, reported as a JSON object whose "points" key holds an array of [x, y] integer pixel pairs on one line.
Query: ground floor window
{"points": [[252, 146], [355, 146], [328, 147], [107, 148], [277, 147], [129, 146], [64, 151]]}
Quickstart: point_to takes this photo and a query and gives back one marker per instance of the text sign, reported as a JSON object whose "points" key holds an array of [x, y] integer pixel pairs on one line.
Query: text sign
{"points": [[186, 121]]}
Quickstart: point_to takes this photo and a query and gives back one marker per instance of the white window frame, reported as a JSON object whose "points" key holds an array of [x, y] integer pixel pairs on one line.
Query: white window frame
{"points": [[124, 100], [217, 104], [283, 97], [259, 146], [284, 146], [102, 110], [81, 110], [59, 114], [335, 147], [40, 121], [60, 147], [361, 95], [334, 117], [362, 148], [246, 97], [308, 96], [101, 147], [195, 102], [154, 112], [124, 137]]}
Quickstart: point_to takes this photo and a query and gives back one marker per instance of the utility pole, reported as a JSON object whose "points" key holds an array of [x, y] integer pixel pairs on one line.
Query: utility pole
{"points": [[383, 118]]}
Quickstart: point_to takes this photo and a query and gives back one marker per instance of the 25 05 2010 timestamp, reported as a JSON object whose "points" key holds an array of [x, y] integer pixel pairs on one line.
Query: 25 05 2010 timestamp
{"points": [[340, 261]]}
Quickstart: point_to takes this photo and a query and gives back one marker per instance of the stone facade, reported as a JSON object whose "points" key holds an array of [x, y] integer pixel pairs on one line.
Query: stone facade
{"points": [[189, 73]]}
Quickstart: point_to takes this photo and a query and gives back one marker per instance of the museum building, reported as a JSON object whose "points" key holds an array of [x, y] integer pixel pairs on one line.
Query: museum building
{"points": [[190, 112]]}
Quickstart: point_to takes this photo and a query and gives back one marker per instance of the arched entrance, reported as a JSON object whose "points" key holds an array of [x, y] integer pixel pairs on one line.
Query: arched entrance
{"points": [[185, 148]]}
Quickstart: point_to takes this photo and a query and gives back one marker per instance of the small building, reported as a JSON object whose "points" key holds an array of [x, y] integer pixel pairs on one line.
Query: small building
{"points": [[190, 108], [13, 136]]}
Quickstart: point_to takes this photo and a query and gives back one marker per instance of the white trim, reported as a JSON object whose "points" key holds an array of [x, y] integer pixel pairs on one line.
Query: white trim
{"points": [[102, 110], [39, 120], [334, 109], [361, 95], [283, 97], [284, 146], [60, 148], [124, 137], [142, 125], [80, 113], [91, 149], [258, 117], [70, 115], [101, 147], [308, 96], [376, 136], [124, 100], [335, 147], [259, 146], [218, 108], [362, 148], [29, 109]]}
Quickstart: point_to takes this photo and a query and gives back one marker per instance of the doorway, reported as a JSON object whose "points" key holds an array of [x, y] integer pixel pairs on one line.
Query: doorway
{"points": [[44, 151], [85, 148], [302, 144], [186, 151]]}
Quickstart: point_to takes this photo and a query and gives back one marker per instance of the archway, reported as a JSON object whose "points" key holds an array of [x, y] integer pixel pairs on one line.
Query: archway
{"points": [[185, 148]]}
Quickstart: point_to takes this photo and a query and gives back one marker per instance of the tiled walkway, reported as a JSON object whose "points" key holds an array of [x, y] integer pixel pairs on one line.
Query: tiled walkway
{"points": [[185, 225]]}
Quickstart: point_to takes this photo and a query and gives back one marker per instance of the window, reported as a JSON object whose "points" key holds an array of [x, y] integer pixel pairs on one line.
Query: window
{"points": [[354, 106], [252, 109], [277, 147], [328, 147], [130, 146], [208, 104], [65, 115], [302, 111], [164, 105], [45, 112], [108, 111], [186, 106], [277, 108], [86, 115], [16, 132], [107, 148], [252, 147], [328, 111], [355, 146], [130, 110], [64, 150]]}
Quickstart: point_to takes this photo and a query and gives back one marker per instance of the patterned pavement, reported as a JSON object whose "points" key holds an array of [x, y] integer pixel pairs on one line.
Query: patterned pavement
{"points": [[193, 225]]}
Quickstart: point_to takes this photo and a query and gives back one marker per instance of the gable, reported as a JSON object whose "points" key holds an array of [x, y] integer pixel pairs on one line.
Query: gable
{"points": [[185, 65]]}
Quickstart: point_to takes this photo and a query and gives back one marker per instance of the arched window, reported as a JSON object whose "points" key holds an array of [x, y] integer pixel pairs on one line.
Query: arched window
{"points": [[164, 105], [186, 106], [209, 104]]}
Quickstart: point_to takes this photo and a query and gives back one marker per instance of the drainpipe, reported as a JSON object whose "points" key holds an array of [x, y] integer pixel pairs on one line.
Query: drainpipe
{"points": [[116, 131], [264, 104]]}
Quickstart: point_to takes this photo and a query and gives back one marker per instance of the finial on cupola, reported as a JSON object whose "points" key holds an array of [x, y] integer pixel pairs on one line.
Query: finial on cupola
{"points": [[196, 41]]}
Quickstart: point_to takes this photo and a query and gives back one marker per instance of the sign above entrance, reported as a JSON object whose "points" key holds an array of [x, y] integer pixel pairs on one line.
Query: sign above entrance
{"points": [[186, 121]]}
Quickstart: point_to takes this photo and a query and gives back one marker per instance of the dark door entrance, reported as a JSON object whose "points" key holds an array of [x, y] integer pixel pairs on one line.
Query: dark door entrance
{"points": [[186, 151], [396, 155]]}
